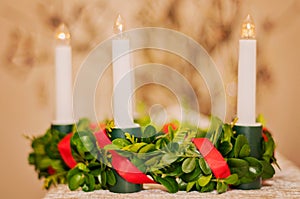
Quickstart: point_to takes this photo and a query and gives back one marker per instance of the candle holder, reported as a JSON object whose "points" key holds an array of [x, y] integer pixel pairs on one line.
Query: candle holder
{"points": [[122, 186], [63, 128], [253, 134]]}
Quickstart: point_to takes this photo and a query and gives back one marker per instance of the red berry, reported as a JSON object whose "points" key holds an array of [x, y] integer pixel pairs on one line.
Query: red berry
{"points": [[165, 128], [51, 171]]}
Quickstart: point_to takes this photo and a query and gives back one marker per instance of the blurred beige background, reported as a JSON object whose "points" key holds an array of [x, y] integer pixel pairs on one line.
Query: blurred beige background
{"points": [[26, 64]]}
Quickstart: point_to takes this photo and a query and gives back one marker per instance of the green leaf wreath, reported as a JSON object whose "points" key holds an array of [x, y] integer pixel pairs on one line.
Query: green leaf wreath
{"points": [[167, 155]]}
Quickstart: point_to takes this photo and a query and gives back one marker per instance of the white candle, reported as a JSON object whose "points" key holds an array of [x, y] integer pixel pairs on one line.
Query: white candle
{"points": [[63, 77], [246, 104], [123, 80]]}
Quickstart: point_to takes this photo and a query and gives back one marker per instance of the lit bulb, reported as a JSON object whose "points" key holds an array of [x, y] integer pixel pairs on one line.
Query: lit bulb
{"points": [[119, 25], [62, 35], [248, 28]]}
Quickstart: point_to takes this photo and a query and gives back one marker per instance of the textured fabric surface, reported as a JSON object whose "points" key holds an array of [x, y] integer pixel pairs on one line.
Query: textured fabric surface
{"points": [[285, 184]]}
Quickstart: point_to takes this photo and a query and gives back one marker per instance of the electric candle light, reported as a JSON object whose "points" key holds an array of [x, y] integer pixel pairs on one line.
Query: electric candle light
{"points": [[63, 76], [246, 97], [247, 74], [123, 80], [122, 103]]}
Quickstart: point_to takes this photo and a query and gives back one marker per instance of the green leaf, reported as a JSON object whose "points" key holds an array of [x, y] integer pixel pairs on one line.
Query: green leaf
{"points": [[209, 187], [232, 179], [31, 158], [180, 137], [87, 141], [161, 143], [198, 187], [147, 148], [84, 142], [96, 172], [215, 129], [268, 170], [75, 181], [255, 166], [52, 150], [227, 133], [44, 163], [260, 119], [169, 182], [177, 171], [241, 140], [58, 165], [221, 187], [173, 147], [204, 166], [83, 124], [190, 186], [269, 147], [182, 185], [111, 178], [82, 167], [204, 180], [192, 176], [245, 151], [135, 147], [169, 158], [72, 172], [225, 147], [130, 137], [120, 142], [38, 146], [188, 165], [103, 178], [152, 161], [94, 165], [90, 182], [238, 166], [149, 131], [111, 147]]}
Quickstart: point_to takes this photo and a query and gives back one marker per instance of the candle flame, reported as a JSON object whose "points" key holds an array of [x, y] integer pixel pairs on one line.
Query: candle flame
{"points": [[62, 34], [248, 28], [119, 25]]}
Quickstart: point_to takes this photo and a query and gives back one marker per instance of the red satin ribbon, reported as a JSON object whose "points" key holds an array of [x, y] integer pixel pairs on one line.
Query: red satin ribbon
{"points": [[64, 148], [121, 164], [213, 157]]}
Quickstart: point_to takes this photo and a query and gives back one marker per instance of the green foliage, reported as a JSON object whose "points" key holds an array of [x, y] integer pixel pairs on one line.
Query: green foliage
{"points": [[46, 158], [170, 158], [92, 171], [90, 176]]}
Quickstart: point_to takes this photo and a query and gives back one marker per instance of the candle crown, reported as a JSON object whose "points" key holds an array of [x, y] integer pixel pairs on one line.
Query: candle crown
{"points": [[248, 28], [119, 25], [62, 34]]}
